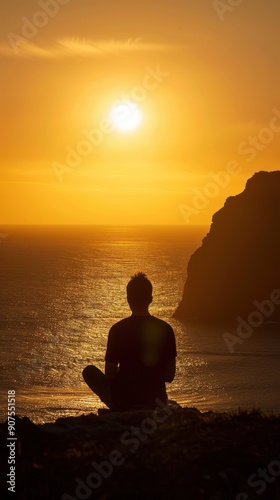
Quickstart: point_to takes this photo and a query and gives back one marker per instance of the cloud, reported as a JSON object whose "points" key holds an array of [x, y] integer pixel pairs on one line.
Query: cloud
{"points": [[77, 47]]}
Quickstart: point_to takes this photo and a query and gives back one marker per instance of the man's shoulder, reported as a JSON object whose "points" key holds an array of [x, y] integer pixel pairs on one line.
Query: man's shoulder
{"points": [[161, 323], [121, 324], [130, 320]]}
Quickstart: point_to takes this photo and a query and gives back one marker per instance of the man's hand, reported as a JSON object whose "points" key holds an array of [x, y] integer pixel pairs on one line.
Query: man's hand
{"points": [[111, 370], [170, 370]]}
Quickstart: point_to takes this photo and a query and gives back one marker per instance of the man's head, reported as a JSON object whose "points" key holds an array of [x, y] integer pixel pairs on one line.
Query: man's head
{"points": [[139, 291]]}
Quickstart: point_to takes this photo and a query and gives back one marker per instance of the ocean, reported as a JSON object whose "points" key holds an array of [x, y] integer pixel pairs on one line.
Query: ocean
{"points": [[62, 287]]}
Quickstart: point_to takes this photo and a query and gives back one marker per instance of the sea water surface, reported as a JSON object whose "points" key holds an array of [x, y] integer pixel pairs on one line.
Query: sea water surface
{"points": [[62, 287]]}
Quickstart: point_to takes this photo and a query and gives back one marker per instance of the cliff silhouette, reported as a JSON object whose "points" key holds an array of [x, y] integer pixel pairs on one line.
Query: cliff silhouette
{"points": [[237, 266]]}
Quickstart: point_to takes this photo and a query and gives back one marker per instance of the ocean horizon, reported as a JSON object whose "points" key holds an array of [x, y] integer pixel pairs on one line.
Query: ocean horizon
{"points": [[62, 289]]}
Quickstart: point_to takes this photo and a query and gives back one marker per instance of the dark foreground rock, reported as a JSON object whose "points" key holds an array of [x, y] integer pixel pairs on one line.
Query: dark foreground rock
{"points": [[238, 262], [179, 454]]}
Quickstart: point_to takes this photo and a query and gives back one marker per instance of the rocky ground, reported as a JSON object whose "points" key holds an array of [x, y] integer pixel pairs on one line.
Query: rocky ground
{"points": [[176, 453]]}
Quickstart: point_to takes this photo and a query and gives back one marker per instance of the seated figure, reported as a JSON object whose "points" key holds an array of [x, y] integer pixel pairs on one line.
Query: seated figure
{"points": [[140, 356]]}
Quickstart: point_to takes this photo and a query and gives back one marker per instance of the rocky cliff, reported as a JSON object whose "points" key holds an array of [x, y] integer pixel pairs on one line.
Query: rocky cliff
{"points": [[236, 271]]}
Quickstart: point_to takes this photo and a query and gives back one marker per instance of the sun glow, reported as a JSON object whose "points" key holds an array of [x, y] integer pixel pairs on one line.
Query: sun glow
{"points": [[126, 116]]}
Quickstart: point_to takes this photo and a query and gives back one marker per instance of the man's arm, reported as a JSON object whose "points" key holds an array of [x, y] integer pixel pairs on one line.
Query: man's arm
{"points": [[112, 354], [171, 354], [111, 370], [170, 370]]}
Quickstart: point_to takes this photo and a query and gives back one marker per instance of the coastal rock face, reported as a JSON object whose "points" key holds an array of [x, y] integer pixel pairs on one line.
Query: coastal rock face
{"points": [[238, 265]]}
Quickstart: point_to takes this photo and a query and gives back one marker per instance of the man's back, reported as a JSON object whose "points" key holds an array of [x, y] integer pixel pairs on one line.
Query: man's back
{"points": [[142, 345], [140, 355]]}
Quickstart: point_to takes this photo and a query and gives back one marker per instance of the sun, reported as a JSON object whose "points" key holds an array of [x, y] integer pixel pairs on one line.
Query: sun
{"points": [[126, 116]]}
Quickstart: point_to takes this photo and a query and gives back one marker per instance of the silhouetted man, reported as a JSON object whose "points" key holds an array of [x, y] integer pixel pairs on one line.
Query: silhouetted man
{"points": [[140, 356]]}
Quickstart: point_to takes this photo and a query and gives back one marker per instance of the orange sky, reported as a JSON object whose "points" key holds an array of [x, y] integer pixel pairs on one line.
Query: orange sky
{"points": [[204, 75]]}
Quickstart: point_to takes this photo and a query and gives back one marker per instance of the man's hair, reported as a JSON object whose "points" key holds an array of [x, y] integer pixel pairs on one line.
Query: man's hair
{"points": [[139, 290]]}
